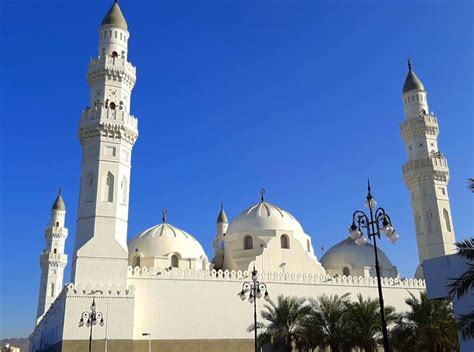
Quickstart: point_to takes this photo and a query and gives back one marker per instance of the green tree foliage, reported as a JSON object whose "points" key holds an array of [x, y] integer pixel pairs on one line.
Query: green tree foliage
{"points": [[281, 322], [363, 318], [428, 326], [342, 325]]}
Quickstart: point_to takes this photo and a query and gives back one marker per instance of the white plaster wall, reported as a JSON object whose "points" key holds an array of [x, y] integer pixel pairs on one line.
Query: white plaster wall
{"points": [[196, 305]]}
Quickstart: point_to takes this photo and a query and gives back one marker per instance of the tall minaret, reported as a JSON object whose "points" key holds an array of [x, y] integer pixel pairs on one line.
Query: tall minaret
{"points": [[107, 134], [426, 174], [53, 260]]}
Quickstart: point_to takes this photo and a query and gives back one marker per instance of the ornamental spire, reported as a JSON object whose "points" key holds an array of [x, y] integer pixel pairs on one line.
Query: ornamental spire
{"points": [[164, 212], [222, 217], [412, 82], [262, 195]]}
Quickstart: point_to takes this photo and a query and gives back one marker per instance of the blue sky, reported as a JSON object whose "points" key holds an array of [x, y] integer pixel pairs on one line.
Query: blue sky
{"points": [[302, 98]]}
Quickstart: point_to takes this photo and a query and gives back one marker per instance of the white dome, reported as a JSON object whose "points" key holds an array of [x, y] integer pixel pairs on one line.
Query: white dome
{"points": [[264, 216], [163, 239], [348, 254]]}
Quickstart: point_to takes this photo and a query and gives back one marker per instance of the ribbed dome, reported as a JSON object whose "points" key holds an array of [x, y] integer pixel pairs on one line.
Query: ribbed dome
{"points": [[59, 203], [264, 216], [115, 17], [412, 82], [163, 239], [348, 254]]}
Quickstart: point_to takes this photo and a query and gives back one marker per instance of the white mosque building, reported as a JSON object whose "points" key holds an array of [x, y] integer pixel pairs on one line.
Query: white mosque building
{"points": [[161, 286]]}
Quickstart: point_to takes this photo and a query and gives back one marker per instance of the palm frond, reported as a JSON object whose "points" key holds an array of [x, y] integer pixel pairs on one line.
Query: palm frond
{"points": [[470, 182], [462, 284], [466, 248], [465, 324]]}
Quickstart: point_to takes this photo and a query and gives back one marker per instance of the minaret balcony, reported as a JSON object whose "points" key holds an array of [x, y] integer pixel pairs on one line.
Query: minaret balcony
{"points": [[427, 169], [103, 121], [111, 66], [100, 115], [423, 124]]}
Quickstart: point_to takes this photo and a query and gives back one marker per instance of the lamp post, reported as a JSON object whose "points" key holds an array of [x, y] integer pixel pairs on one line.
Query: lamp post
{"points": [[377, 220], [89, 319], [256, 290], [149, 339]]}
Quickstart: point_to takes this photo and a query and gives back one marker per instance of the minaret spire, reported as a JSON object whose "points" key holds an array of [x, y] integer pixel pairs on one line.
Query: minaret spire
{"points": [[164, 212], [107, 132], [426, 174]]}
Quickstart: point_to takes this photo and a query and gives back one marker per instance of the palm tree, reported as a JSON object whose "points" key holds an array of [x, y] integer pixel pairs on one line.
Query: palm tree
{"points": [[363, 318], [328, 323], [460, 286], [428, 326], [281, 322]]}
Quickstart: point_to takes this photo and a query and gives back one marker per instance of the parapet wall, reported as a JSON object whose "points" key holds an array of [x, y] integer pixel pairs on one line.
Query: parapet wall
{"points": [[274, 277]]}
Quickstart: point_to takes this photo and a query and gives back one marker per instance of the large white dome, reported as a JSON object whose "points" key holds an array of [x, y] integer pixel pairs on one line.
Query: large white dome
{"points": [[347, 255], [163, 239], [264, 216]]}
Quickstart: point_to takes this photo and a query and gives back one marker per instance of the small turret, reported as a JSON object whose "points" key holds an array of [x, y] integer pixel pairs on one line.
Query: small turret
{"points": [[58, 211], [221, 227], [114, 33]]}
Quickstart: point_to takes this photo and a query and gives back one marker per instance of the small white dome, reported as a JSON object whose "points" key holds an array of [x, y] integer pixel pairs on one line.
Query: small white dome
{"points": [[264, 216], [347, 255], [164, 239]]}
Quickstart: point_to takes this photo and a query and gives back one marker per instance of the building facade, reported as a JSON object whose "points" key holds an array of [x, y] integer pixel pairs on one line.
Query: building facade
{"points": [[161, 285]]}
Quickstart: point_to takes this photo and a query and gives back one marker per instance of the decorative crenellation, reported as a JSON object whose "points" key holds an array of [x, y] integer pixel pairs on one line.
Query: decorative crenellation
{"points": [[422, 170], [275, 277], [99, 291], [423, 124], [115, 123], [115, 69]]}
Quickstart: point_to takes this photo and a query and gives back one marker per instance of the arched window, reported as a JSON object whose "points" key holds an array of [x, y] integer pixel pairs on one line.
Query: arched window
{"points": [[136, 261], [284, 241], [57, 223], [446, 220], [248, 242], [108, 187], [112, 105], [204, 264], [52, 290], [308, 246], [55, 251], [174, 261], [346, 271]]}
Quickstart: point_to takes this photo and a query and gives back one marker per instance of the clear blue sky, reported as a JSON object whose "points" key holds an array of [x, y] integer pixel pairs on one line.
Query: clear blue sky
{"points": [[300, 97]]}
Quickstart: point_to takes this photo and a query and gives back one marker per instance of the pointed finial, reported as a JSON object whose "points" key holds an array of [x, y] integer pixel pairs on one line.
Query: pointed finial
{"points": [[163, 217], [409, 64], [368, 186], [222, 205], [60, 191], [262, 195]]}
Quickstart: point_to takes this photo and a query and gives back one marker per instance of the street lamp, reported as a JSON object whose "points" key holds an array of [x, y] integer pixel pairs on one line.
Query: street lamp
{"points": [[256, 290], [377, 221], [89, 319], [149, 339]]}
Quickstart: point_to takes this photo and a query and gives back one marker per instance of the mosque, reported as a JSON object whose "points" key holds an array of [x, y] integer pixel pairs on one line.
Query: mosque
{"points": [[160, 287]]}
